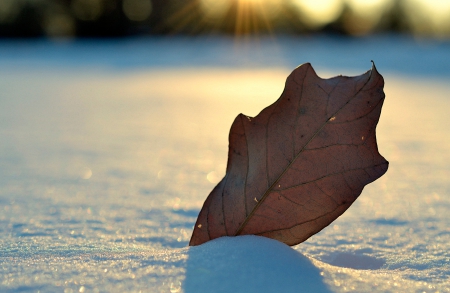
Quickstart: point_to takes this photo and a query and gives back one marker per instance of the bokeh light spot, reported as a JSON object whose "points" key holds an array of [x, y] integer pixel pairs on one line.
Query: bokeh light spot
{"points": [[175, 287], [213, 177], [137, 10], [86, 173], [214, 10], [365, 15], [428, 17], [369, 8], [319, 12], [87, 10], [59, 25], [8, 10]]}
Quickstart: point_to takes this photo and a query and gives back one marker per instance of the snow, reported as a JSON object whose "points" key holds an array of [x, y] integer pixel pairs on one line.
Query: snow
{"points": [[109, 148], [250, 264]]}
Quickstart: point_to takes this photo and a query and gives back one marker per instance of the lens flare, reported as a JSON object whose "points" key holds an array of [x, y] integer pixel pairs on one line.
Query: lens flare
{"points": [[215, 10]]}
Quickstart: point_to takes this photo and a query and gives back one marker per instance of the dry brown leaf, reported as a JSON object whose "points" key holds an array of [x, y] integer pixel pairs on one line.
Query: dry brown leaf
{"points": [[301, 162]]}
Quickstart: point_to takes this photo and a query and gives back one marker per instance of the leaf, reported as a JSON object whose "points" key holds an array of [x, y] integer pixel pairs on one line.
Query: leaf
{"points": [[301, 162]]}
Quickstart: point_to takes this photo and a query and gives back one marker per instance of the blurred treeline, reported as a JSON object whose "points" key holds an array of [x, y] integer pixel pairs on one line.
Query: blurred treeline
{"points": [[113, 18]]}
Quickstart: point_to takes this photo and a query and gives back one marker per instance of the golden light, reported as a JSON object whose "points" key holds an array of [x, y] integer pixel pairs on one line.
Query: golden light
{"points": [[365, 15], [357, 17], [317, 13], [245, 16], [429, 16], [369, 8], [214, 10], [253, 16]]}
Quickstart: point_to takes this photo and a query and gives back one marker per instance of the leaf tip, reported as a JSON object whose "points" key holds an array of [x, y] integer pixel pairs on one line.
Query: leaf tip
{"points": [[373, 65], [375, 75], [374, 68]]}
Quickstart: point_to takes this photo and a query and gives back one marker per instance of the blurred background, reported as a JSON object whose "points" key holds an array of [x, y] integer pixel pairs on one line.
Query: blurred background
{"points": [[117, 18]]}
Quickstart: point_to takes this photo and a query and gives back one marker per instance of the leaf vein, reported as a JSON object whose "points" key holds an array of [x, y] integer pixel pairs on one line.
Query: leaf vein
{"points": [[269, 190]]}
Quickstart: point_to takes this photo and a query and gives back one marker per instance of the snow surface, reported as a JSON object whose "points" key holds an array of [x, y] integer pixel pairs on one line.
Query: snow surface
{"points": [[108, 150]]}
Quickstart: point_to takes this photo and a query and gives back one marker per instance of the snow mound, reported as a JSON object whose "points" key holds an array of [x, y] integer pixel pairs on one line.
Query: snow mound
{"points": [[250, 264]]}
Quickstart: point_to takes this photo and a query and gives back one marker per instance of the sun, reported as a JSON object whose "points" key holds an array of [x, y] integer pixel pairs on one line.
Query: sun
{"points": [[243, 16], [255, 16]]}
